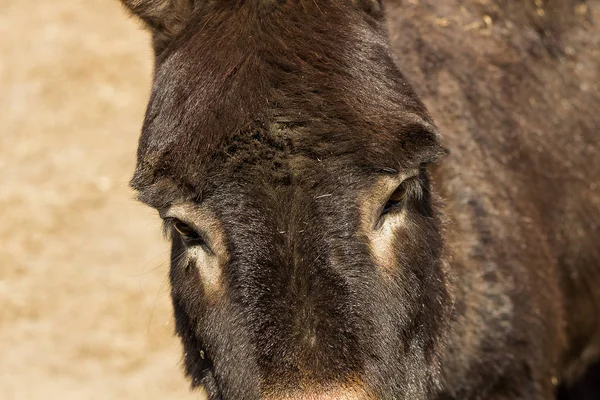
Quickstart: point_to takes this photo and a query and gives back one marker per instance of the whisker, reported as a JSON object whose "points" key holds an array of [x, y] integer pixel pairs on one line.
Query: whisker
{"points": [[163, 285]]}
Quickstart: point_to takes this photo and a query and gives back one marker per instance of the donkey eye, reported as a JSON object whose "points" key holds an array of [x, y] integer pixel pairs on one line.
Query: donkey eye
{"points": [[398, 198], [187, 232]]}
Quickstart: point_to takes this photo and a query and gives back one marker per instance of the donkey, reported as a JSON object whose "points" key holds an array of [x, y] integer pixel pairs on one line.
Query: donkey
{"points": [[327, 243]]}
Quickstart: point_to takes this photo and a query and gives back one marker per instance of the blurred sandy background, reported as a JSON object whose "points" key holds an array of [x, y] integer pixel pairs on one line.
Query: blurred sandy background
{"points": [[84, 301]]}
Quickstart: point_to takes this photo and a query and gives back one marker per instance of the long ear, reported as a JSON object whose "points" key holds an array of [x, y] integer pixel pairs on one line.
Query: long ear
{"points": [[166, 18]]}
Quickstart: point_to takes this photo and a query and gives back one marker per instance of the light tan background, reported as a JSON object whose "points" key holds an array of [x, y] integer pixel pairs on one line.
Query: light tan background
{"points": [[84, 301]]}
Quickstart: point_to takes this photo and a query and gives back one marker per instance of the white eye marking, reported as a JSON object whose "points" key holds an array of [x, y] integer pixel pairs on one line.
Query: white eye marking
{"points": [[210, 258], [380, 226], [207, 265], [383, 239]]}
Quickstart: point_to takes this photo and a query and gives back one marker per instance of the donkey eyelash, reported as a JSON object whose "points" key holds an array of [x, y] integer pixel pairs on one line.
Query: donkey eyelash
{"points": [[414, 188], [167, 228], [170, 228]]}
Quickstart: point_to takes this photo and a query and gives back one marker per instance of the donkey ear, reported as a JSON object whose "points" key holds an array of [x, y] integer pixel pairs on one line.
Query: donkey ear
{"points": [[166, 18]]}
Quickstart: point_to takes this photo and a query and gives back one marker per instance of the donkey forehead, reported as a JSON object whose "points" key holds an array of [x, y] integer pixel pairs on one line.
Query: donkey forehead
{"points": [[262, 164], [235, 92]]}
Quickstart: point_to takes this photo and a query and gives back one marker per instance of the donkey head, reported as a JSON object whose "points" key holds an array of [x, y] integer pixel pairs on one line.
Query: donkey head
{"points": [[288, 158]]}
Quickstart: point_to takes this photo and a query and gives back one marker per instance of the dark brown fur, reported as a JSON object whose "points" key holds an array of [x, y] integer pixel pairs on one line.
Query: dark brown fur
{"points": [[282, 117]]}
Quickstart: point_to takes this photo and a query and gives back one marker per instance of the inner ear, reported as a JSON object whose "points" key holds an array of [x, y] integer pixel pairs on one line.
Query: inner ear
{"points": [[165, 18]]}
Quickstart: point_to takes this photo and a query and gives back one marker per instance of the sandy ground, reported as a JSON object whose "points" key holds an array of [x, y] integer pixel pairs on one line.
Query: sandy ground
{"points": [[84, 302]]}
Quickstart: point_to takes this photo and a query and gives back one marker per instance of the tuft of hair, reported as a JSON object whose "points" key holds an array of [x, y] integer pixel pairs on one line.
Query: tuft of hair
{"points": [[165, 18]]}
